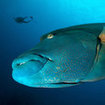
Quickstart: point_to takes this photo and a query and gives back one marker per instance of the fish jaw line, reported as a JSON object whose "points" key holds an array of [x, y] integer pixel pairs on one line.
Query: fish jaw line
{"points": [[40, 58], [51, 85], [22, 66]]}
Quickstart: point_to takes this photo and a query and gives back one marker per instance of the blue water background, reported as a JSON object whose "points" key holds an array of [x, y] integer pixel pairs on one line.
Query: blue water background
{"points": [[16, 38]]}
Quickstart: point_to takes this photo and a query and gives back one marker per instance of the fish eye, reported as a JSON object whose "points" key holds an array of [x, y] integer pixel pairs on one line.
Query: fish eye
{"points": [[50, 36]]}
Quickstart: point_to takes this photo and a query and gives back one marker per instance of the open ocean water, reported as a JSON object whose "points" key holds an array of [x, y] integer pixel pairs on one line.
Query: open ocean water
{"points": [[16, 38]]}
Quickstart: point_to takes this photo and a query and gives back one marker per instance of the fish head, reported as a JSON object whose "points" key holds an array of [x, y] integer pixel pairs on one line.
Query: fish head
{"points": [[56, 61]]}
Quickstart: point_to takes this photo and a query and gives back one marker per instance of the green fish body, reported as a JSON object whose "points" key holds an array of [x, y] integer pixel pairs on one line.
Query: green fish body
{"points": [[63, 58]]}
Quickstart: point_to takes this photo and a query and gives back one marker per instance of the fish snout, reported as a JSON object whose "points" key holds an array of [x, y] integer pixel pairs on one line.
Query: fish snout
{"points": [[28, 65], [22, 60]]}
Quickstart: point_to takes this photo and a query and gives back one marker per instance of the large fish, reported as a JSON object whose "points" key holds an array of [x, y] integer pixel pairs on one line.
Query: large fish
{"points": [[64, 58]]}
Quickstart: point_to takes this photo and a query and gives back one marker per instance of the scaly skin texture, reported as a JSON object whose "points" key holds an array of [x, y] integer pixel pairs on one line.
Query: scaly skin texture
{"points": [[63, 58]]}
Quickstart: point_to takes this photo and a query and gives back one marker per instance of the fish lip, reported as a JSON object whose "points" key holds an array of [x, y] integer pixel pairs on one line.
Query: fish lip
{"points": [[20, 63]]}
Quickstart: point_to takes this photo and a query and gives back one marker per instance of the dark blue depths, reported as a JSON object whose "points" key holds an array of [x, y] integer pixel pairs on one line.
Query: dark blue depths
{"points": [[16, 38]]}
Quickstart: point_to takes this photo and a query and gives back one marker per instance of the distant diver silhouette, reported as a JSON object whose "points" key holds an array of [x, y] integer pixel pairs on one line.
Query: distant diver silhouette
{"points": [[23, 19]]}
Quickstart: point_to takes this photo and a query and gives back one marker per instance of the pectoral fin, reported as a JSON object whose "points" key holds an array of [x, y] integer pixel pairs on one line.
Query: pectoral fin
{"points": [[98, 70], [102, 36]]}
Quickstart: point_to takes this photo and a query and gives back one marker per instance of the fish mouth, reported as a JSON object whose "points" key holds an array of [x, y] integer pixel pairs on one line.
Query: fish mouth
{"points": [[34, 62]]}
